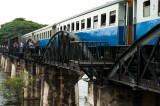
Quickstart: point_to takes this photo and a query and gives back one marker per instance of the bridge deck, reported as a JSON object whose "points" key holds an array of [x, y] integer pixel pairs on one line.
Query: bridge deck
{"points": [[95, 64]]}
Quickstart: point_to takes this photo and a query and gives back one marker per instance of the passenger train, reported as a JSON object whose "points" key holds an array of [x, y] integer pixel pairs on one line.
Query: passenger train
{"points": [[108, 23]]}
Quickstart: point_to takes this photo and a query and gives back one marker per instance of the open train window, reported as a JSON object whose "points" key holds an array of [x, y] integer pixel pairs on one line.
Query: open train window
{"points": [[47, 34], [34, 37], [77, 25], [82, 24], [158, 7], [50, 33], [44, 35], [40, 36], [61, 28], [112, 19], [88, 23], [146, 8], [64, 27], [68, 27], [37, 37], [72, 26], [103, 19], [95, 22]]}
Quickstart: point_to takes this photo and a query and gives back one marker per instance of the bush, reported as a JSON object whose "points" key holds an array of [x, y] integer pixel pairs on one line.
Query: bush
{"points": [[12, 89]]}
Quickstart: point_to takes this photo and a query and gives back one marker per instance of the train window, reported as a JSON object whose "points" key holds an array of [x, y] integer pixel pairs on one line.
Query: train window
{"points": [[158, 7], [47, 34], [50, 33], [82, 24], [64, 27], [40, 36], [44, 35], [34, 37], [88, 23], [61, 28], [77, 25], [103, 19], [72, 26], [68, 27], [95, 22], [37, 37], [112, 17], [146, 8]]}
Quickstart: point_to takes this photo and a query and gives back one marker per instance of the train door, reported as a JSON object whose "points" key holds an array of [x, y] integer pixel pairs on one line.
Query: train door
{"points": [[134, 20], [122, 27]]}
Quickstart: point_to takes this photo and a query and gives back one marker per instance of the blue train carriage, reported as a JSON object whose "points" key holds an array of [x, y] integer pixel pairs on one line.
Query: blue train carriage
{"points": [[104, 23], [43, 35], [26, 37], [148, 16]]}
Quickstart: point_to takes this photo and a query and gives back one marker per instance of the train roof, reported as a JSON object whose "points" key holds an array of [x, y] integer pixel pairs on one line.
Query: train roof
{"points": [[30, 33], [42, 28], [91, 10]]}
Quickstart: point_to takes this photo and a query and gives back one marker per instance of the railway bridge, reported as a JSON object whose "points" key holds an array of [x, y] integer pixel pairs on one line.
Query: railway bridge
{"points": [[131, 78]]}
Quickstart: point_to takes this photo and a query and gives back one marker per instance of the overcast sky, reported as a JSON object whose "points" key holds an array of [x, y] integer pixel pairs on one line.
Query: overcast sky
{"points": [[44, 11]]}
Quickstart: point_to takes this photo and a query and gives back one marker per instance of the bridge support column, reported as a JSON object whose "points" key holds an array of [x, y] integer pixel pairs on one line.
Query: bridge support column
{"points": [[35, 86], [3, 61], [13, 68], [8, 65], [58, 87], [113, 94]]}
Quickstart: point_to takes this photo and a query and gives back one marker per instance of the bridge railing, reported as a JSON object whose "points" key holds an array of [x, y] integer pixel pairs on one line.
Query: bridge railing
{"points": [[88, 51], [35, 51], [3, 49]]}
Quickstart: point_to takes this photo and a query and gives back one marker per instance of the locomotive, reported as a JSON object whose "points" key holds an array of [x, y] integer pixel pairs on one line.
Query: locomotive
{"points": [[118, 23]]}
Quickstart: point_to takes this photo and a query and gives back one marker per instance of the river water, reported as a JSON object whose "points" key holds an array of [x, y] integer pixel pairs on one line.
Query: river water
{"points": [[82, 85]]}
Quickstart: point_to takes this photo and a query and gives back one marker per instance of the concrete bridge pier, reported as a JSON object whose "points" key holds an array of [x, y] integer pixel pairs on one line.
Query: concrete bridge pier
{"points": [[5, 63], [113, 94], [3, 58], [35, 87], [58, 87], [8, 65]]}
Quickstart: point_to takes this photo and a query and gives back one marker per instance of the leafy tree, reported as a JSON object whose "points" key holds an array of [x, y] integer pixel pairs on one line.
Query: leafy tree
{"points": [[18, 26], [12, 89]]}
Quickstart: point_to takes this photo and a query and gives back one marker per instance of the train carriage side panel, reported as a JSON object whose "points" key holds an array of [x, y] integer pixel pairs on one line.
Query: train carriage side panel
{"points": [[122, 31], [147, 15], [96, 32]]}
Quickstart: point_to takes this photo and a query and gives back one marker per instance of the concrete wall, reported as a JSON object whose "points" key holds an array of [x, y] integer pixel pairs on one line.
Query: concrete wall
{"points": [[114, 94]]}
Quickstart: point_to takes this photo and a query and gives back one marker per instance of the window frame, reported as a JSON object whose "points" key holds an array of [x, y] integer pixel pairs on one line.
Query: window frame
{"points": [[111, 14], [89, 23], [82, 24], [144, 7], [102, 16], [77, 24], [72, 26]]}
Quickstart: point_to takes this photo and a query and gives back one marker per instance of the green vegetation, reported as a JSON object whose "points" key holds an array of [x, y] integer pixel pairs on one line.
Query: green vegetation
{"points": [[12, 89], [18, 26]]}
